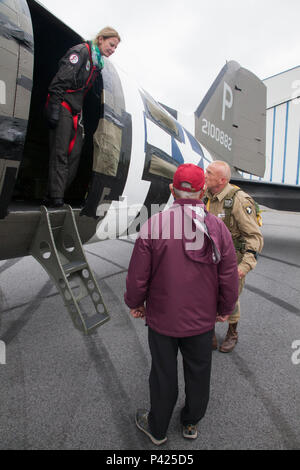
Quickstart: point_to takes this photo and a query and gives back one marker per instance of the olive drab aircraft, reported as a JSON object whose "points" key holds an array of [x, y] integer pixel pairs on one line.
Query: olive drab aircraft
{"points": [[133, 146]]}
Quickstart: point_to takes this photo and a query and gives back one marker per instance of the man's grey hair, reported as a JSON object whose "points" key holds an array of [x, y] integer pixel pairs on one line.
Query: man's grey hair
{"points": [[186, 194]]}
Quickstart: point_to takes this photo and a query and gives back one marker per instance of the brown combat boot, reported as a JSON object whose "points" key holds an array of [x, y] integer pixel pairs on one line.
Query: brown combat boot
{"points": [[214, 345], [231, 339]]}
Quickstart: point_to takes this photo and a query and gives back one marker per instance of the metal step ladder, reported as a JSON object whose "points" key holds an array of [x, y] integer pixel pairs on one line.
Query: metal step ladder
{"points": [[58, 248]]}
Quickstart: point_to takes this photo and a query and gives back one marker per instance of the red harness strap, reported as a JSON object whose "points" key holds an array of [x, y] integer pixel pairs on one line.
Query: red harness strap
{"points": [[89, 81], [75, 124], [87, 86], [66, 105]]}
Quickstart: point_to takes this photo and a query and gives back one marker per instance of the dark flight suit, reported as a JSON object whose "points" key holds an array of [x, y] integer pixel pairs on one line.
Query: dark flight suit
{"points": [[75, 76]]}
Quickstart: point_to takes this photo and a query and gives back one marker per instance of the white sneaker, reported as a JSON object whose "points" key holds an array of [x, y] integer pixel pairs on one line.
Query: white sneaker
{"points": [[141, 420]]}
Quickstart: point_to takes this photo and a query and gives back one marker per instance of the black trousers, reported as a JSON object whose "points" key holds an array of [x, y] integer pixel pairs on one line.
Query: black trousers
{"points": [[62, 166], [163, 380]]}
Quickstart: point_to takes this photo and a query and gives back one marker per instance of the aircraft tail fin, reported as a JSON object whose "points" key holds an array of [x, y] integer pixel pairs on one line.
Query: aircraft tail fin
{"points": [[231, 119]]}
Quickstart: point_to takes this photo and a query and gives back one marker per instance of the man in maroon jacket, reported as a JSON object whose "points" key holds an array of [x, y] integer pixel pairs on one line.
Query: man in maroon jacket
{"points": [[183, 267]]}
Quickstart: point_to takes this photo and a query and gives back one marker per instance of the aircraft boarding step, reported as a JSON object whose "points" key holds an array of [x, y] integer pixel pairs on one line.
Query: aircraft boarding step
{"points": [[58, 248]]}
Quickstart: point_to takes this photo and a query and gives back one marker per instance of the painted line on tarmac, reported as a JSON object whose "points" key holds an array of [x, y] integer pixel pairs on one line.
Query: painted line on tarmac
{"points": [[280, 261], [275, 300]]}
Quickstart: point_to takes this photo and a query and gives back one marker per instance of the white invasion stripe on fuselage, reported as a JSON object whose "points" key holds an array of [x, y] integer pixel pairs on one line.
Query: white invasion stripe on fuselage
{"points": [[122, 213], [158, 137]]}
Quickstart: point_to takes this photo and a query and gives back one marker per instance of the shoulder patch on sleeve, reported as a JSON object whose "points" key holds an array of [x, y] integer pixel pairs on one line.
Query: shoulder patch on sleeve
{"points": [[74, 59]]}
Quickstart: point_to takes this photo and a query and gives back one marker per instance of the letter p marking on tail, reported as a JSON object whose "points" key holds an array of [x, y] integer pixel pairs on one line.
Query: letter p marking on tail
{"points": [[227, 99]]}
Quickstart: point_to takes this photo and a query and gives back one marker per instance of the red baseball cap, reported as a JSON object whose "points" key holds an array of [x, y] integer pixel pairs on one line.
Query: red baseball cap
{"points": [[189, 173]]}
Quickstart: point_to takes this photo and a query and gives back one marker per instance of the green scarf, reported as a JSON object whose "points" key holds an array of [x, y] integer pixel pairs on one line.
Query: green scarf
{"points": [[97, 57]]}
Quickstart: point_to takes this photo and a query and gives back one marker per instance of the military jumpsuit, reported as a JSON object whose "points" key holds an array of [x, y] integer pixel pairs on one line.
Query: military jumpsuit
{"points": [[76, 75], [244, 229]]}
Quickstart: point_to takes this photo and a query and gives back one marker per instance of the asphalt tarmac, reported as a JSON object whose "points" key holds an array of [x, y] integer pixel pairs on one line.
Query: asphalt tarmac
{"points": [[63, 390]]}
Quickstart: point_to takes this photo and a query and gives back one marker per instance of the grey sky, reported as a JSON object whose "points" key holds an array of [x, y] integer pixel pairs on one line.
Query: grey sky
{"points": [[175, 48]]}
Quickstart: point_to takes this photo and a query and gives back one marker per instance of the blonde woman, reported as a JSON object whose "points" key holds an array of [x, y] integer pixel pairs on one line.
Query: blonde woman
{"points": [[78, 70]]}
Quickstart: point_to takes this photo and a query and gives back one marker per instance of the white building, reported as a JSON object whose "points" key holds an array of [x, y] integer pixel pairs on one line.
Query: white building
{"points": [[283, 128]]}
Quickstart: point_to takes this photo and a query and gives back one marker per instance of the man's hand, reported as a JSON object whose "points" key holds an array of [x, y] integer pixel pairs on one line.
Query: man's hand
{"points": [[222, 319], [138, 312], [241, 274]]}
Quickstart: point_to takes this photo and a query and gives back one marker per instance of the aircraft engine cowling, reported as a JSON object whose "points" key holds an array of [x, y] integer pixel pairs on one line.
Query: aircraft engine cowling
{"points": [[16, 58]]}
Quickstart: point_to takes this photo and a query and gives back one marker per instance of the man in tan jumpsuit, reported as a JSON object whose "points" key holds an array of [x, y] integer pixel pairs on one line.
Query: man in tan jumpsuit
{"points": [[238, 211]]}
